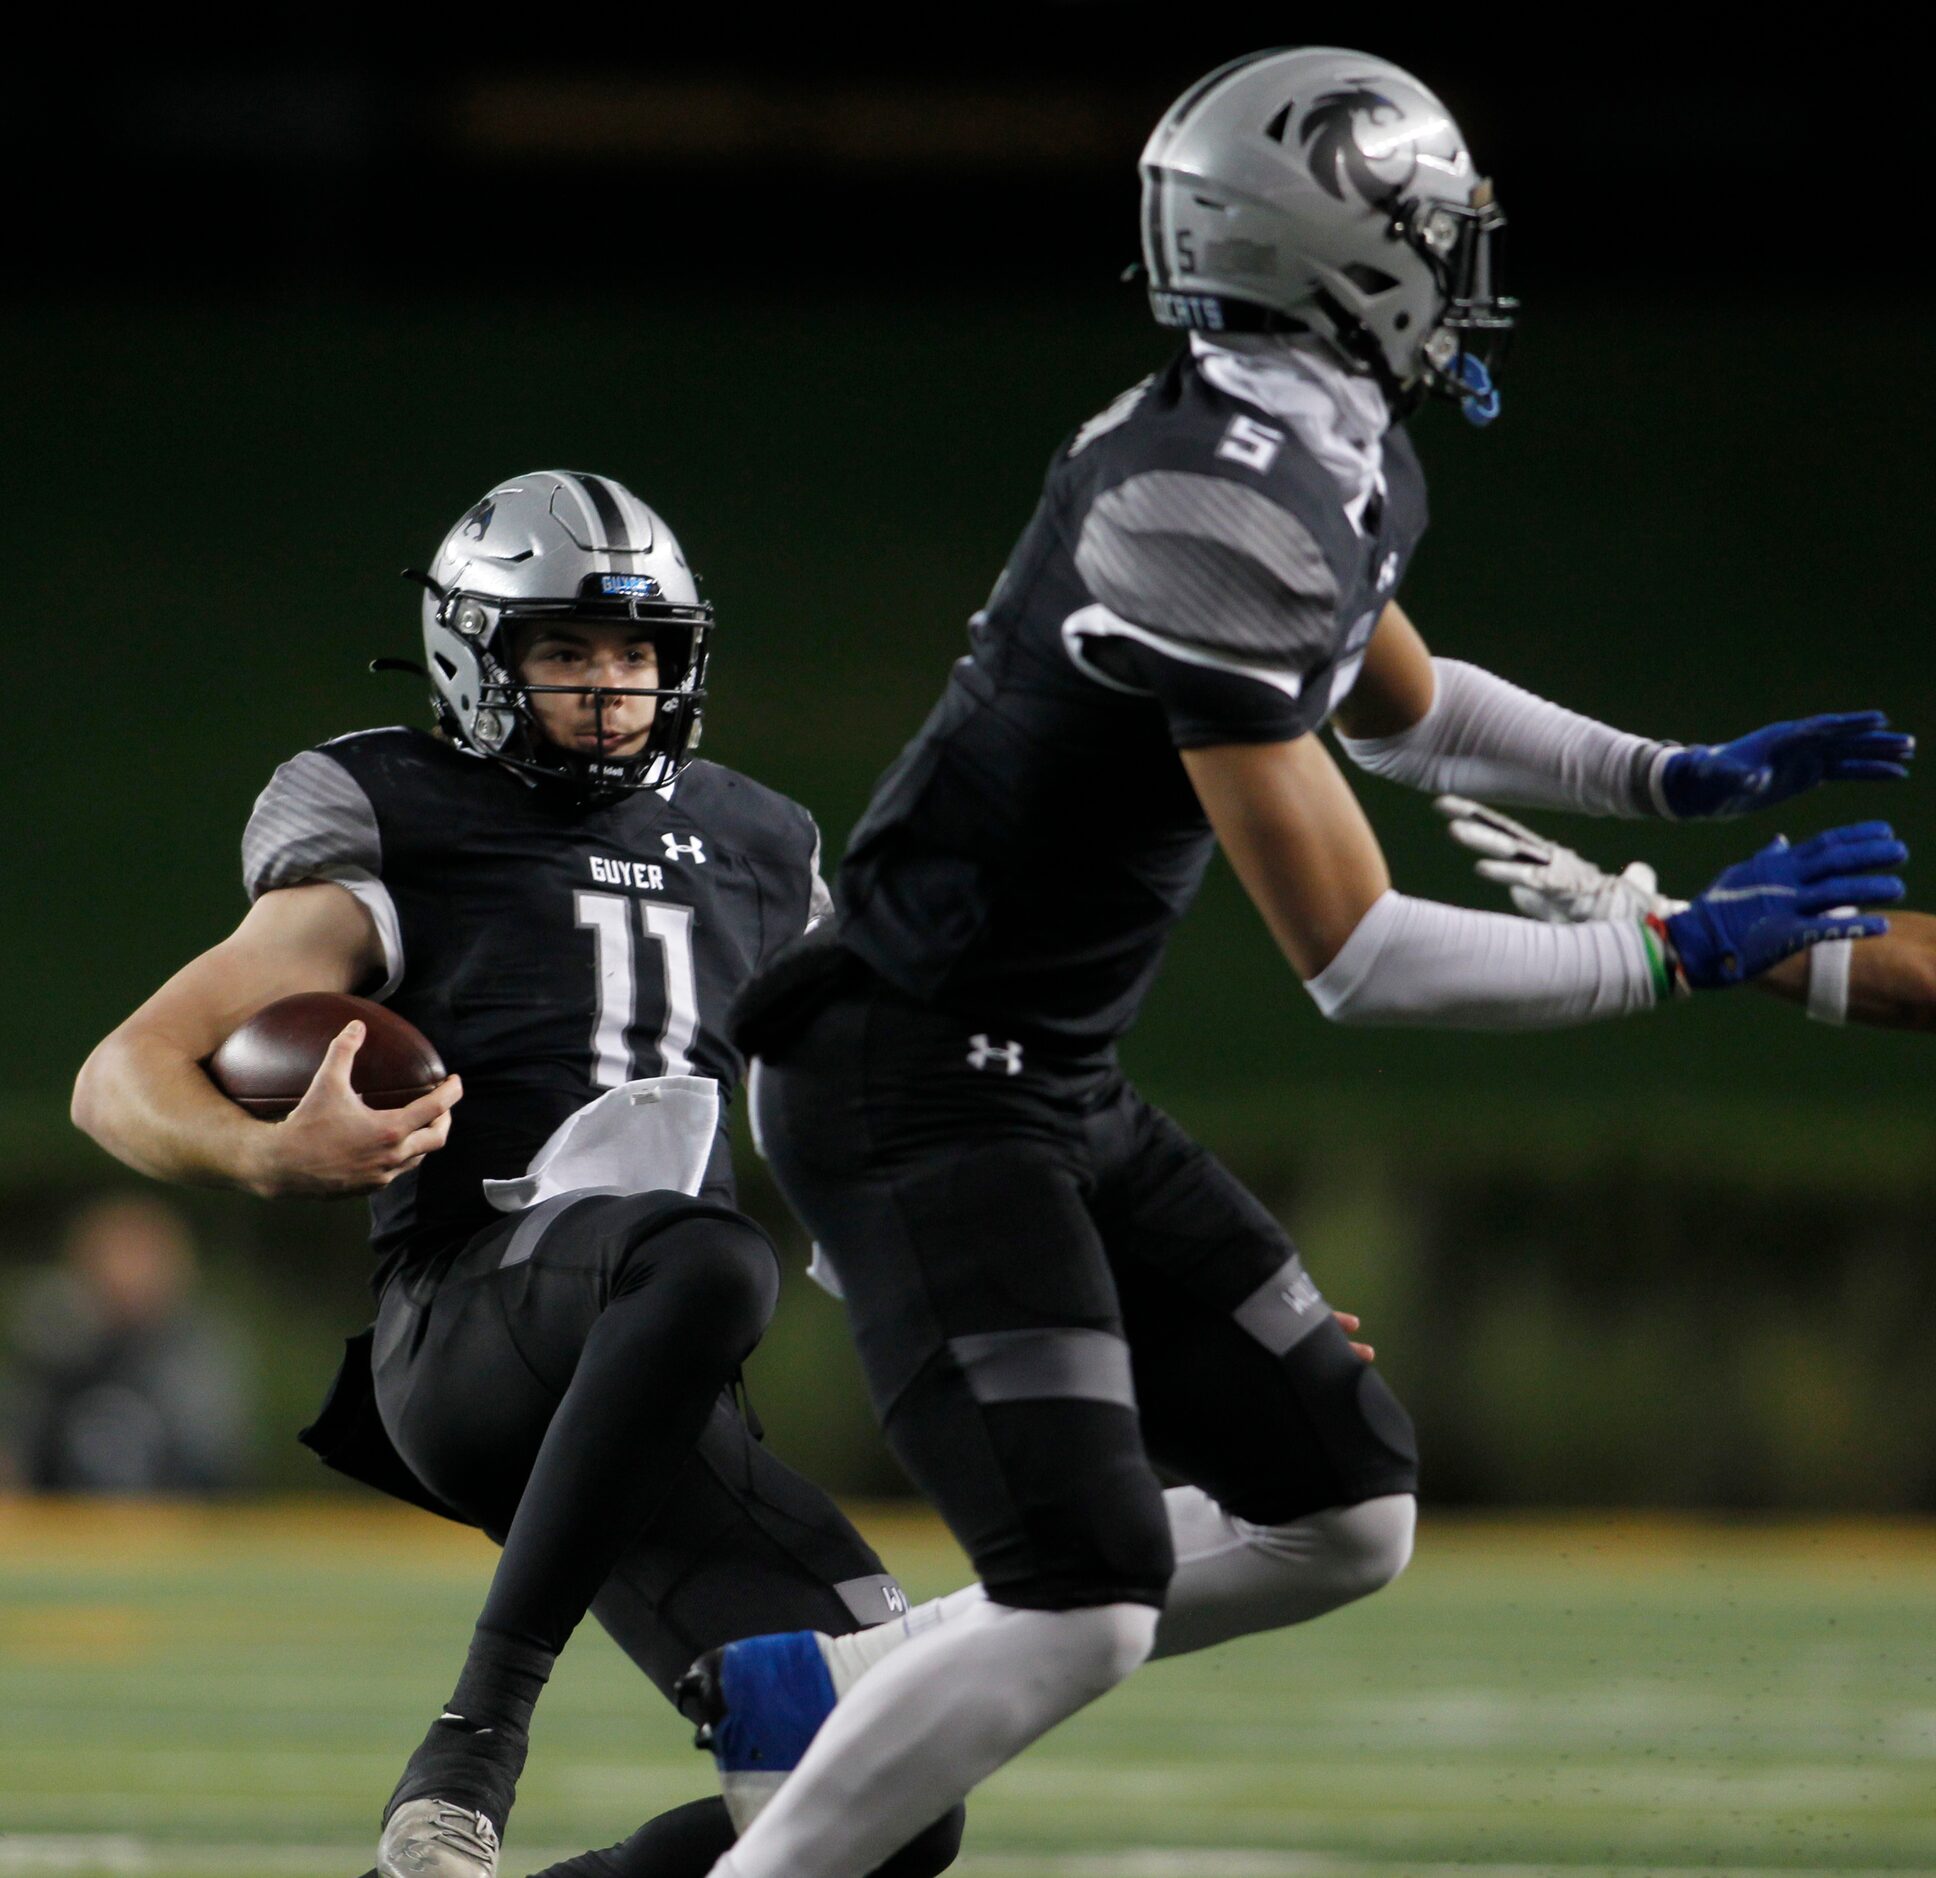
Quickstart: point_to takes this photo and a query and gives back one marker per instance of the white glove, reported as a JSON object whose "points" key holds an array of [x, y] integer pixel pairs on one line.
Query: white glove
{"points": [[1548, 881]]}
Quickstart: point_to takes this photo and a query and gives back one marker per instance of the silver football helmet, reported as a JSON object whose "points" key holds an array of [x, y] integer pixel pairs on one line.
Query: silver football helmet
{"points": [[1325, 191], [561, 544]]}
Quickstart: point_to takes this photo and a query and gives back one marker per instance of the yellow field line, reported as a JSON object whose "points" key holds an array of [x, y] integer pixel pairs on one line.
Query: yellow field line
{"points": [[101, 1532]]}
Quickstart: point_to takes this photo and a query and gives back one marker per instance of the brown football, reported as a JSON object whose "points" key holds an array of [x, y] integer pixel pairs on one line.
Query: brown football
{"points": [[270, 1059]]}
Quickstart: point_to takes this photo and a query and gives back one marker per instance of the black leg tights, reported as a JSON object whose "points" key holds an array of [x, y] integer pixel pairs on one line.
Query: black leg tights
{"points": [[686, 1307], [690, 1840]]}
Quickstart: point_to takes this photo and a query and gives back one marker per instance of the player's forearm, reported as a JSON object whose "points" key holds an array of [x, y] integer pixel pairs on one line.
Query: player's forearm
{"points": [[1486, 738], [1890, 984], [149, 1103], [1425, 964], [1309, 861]]}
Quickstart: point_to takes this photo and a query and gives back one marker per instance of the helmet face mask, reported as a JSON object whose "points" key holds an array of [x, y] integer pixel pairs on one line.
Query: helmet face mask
{"points": [[564, 549], [1327, 192], [1463, 245]]}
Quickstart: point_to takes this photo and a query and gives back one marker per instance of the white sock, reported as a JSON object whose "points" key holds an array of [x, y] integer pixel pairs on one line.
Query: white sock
{"points": [[961, 1696], [1232, 1578]]}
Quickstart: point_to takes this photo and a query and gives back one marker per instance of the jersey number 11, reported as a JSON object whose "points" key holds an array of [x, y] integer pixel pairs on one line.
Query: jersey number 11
{"points": [[609, 915]]}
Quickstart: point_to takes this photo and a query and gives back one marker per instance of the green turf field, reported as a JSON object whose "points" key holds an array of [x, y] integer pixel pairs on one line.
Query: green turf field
{"points": [[231, 1693]]}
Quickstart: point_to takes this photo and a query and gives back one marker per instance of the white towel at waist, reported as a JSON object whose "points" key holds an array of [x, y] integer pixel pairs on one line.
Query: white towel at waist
{"points": [[648, 1136]]}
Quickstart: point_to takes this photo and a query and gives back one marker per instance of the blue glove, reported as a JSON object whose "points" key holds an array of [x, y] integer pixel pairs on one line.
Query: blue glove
{"points": [[1761, 910], [1770, 765]]}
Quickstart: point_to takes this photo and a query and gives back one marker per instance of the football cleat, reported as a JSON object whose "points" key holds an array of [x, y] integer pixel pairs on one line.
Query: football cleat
{"points": [[758, 1704], [436, 1839]]}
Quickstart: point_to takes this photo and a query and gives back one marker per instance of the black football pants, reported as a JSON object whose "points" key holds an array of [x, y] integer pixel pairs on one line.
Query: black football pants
{"points": [[661, 1513], [1055, 1291], [564, 1381]]}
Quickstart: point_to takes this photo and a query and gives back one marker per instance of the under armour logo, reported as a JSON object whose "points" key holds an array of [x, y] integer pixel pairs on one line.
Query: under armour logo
{"points": [[981, 1053], [692, 850], [1388, 571], [1301, 1294], [896, 1599]]}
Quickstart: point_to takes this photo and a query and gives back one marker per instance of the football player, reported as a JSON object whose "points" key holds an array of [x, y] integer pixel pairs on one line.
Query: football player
{"points": [[1887, 982], [565, 901], [1054, 1290]]}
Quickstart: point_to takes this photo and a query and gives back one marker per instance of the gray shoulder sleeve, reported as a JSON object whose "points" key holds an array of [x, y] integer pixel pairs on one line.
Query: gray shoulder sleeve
{"points": [[1213, 564], [314, 822], [311, 822]]}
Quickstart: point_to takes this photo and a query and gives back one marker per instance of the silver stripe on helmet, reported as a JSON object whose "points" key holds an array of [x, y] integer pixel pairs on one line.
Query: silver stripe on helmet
{"points": [[593, 530]]}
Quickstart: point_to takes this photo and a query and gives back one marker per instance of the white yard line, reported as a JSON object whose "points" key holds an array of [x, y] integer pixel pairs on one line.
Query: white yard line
{"points": [[44, 1855], [1183, 1862]]}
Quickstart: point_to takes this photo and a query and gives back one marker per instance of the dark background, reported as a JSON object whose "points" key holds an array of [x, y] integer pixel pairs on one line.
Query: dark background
{"points": [[828, 300]]}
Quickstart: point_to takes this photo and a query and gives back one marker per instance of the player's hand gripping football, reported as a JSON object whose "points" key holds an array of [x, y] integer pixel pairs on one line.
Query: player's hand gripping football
{"points": [[1781, 760], [1785, 898], [1546, 880], [332, 1142]]}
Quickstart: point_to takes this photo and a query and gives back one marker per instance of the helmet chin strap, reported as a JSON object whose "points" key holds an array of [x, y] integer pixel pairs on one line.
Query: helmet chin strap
{"points": [[1464, 378], [1480, 400]]}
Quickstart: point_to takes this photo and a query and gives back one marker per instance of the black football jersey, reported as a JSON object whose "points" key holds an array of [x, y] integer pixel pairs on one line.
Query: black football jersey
{"points": [[1191, 577], [549, 952]]}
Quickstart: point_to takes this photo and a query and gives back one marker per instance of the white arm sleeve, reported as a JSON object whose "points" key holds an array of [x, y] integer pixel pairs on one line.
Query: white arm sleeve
{"points": [[1424, 963], [1488, 739]]}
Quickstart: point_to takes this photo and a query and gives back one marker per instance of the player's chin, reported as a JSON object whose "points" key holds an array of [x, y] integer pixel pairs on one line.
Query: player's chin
{"points": [[611, 749]]}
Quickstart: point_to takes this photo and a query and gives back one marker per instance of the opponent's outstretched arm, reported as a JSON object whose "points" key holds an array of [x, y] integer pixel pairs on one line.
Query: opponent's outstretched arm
{"points": [[1887, 982], [1442, 725], [144, 1096], [1368, 954]]}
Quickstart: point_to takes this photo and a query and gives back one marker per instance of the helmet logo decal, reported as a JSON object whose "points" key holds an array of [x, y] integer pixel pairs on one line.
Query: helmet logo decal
{"points": [[643, 586], [1332, 140], [477, 524]]}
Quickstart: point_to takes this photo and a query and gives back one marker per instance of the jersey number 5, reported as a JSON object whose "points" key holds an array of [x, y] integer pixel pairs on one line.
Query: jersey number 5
{"points": [[609, 915]]}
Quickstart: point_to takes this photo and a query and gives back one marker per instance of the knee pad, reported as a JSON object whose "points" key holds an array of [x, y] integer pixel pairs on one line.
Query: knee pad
{"points": [[1054, 1496], [719, 1274]]}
